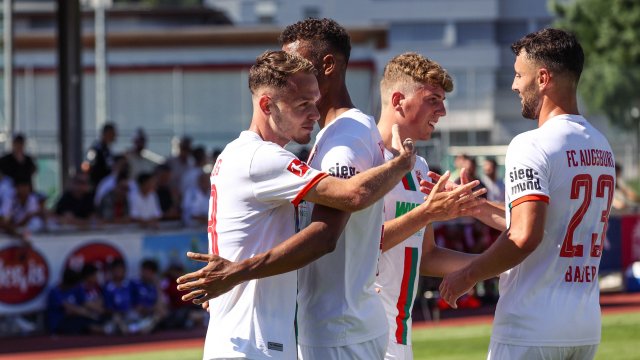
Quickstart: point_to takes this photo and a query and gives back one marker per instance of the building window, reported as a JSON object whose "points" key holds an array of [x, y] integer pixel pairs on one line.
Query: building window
{"points": [[470, 33], [311, 12], [432, 33], [266, 11], [511, 31], [504, 78]]}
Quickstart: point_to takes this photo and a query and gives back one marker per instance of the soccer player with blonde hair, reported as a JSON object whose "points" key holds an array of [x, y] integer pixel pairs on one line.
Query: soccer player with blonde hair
{"points": [[412, 91], [249, 282]]}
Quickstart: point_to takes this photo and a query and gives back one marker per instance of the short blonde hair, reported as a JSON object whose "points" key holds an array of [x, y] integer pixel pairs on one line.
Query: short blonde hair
{"points": [[409, 70], [274, 68]]}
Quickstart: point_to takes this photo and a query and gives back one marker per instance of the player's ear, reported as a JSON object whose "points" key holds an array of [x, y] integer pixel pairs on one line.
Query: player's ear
{"points": [[264, 102], [397, 100], [544, 77], [328, 64]]}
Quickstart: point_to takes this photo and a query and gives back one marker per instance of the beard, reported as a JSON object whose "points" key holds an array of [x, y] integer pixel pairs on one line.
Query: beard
{"points": [[288, 130], [530, 105]]}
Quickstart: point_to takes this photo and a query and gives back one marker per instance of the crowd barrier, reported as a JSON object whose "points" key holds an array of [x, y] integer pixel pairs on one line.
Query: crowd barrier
{"points": [[27, 273]]}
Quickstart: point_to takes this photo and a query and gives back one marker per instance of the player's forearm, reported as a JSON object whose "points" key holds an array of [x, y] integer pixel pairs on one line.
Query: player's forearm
{"points": [[440, 261], [504, 254], [400, 228], [493, 214], [371, 185], [361, 190], [314, 241]]}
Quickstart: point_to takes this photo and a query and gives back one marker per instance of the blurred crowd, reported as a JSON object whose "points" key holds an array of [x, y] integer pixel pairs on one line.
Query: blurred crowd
{"points": [[136, 186], [105, 301]]}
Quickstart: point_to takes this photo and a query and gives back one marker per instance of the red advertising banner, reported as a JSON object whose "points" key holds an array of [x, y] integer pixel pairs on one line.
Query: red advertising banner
{"points": [[630, 239]]}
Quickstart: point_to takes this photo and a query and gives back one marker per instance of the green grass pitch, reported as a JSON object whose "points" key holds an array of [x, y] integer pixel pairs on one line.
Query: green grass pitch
{"points": [[620, 341]]}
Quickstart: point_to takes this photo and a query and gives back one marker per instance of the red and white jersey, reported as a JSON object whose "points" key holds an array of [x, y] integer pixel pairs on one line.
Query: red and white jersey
{"points": [[399, 268], [552, 297], [254, 187], [337, 302]]}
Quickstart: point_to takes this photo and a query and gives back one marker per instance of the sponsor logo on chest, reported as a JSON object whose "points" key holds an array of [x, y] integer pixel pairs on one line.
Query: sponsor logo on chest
{"points": [[343, 171]]}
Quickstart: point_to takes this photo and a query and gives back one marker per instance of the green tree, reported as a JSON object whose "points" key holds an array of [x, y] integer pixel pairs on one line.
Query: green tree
{"points": [[609, 31]]}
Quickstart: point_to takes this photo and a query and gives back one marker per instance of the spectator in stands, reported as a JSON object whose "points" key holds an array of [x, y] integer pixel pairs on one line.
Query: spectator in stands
{"points": [[21, 213], [214, 155], [150, 305], [6, 186], [493, 183], [144, 206], [181, 163], [65, 313], [99, 158], [89, 297], [195, 204], [119, 299], [120, 165], [168, 196], [114, 207], [17, 165], [190, 178], [138, 156], [6, 195], [61, 303], [625, 199], [182, 314], [75, 207]]}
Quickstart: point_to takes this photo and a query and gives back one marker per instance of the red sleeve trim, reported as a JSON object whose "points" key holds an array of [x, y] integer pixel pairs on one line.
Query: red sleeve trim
{"points": [[306, 188], [526, 198]]}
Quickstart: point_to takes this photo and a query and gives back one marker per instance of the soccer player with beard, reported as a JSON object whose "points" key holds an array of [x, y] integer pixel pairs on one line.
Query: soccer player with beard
{"points": [[559, 182]]}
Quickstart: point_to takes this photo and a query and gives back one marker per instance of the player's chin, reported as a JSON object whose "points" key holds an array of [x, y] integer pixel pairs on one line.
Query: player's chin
{"points": [[303, 138]]}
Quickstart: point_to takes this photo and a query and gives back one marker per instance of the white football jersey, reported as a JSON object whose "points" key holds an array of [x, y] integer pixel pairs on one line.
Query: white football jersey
{"points": [[399, 268], [254, 187], [337, 302], [552, 297]]}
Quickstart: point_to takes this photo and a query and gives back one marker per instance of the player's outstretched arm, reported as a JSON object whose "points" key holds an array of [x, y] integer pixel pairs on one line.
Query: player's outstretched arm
{"points": [[438, 261], [439, 205], [367, 187], [220, 275], [510, 249], [488, 212]]}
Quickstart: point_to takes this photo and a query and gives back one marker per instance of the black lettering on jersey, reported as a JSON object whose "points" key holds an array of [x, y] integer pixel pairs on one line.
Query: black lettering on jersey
{"points": [[342, 171], [524, 179], [275, 346]]}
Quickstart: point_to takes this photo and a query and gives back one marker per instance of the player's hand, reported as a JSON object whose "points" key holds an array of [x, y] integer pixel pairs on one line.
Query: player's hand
{"points": [[426, 186], [454, 285], [403, 149], [209, 282], [205, 306], [443, 205]]}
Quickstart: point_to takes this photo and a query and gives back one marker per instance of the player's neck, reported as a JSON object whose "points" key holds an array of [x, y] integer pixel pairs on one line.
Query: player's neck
{"points": [[384, 127], [262, 128], [334, 104], [557, 105]]}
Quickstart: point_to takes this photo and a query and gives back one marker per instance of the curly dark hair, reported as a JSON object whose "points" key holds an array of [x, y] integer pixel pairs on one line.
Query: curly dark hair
{"points": [[556, 49], [325, 34]]}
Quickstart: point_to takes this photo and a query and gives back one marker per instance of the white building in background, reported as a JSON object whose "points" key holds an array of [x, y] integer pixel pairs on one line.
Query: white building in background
{"points": [[184, 72], [172, 72], [470, 38]]}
